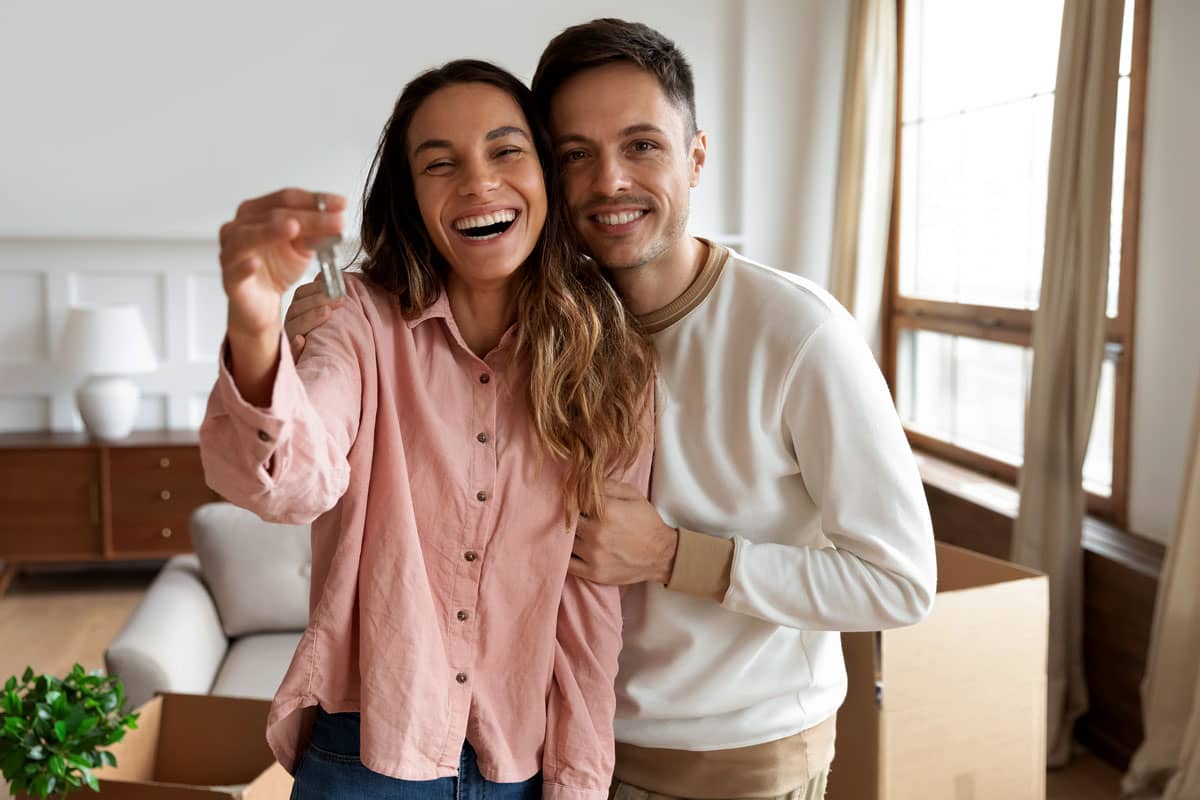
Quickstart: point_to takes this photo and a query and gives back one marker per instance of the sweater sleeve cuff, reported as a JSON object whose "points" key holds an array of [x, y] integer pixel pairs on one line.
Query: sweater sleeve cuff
{"points": [[702, 565]]}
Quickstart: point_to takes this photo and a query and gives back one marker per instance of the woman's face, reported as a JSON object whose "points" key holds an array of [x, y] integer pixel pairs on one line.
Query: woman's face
{"points": [[477, 180]]}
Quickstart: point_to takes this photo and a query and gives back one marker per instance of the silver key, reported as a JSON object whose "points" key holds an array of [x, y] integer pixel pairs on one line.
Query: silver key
{"points": [[331, 276], [335, 287]]}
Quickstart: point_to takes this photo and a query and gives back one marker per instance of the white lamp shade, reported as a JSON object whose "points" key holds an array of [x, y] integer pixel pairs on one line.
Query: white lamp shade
{"points": [[107, 340]]}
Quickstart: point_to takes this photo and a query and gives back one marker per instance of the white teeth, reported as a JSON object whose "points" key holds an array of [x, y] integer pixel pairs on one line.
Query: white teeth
{"points": [[620, 219], [484, 220]]}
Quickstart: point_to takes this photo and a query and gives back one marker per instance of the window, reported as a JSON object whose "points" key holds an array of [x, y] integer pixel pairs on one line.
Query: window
{"points": [[976, 109]]}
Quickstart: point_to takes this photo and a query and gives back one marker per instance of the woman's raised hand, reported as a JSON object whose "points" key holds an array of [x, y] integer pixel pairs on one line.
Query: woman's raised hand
{"points": [[266, 248]]}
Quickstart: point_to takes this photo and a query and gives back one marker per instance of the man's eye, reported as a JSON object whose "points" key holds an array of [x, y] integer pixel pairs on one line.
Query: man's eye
{"points": [[644, 146]]}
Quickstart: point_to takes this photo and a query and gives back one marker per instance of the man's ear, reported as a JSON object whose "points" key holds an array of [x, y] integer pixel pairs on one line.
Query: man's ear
{"points": [[698, 156]]}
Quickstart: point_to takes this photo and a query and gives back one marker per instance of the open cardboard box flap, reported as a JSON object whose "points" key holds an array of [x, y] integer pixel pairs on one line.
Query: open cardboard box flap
{"points": [[954, 707], [196, 747]]}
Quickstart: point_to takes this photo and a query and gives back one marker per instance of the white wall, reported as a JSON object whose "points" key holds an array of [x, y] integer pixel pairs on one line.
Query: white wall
{"points": [[1167, 339], [791, 115], [134, 118]]}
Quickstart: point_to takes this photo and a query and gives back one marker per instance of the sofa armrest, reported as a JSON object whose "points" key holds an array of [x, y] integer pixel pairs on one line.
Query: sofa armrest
{"points": [[173, 641]]}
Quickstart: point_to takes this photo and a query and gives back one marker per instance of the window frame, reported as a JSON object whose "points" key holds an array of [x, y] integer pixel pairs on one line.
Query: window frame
{"points": [[1015, 326]]}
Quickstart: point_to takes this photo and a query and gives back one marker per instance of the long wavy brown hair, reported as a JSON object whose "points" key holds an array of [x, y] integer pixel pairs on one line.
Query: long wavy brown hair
{"points": [[590, 365]]}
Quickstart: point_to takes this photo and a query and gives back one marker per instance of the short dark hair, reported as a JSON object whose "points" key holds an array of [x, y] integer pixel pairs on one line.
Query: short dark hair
{"points": [[609, 41]]}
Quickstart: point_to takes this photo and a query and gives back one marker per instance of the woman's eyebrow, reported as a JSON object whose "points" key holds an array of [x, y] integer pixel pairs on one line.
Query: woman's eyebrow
{"points": [[506, 130]]}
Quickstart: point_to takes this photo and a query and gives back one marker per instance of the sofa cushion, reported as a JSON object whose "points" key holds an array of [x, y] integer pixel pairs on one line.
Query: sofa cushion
{"points": [[255, 665], [258, 572]]}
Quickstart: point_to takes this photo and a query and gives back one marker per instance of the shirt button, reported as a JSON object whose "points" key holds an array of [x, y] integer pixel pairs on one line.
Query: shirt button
{"points": [[483, 437], [461, 677], [484, 378], [462, 616], [481, 496], [263, 436], [470, 555]]}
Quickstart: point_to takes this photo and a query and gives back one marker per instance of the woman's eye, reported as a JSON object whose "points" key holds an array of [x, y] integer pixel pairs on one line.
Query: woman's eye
{"points": [[573, 155], [438, 167], [508, 151]]}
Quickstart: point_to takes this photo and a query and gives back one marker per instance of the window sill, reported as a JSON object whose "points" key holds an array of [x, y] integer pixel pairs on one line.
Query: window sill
{"points": [[1102, 538]]}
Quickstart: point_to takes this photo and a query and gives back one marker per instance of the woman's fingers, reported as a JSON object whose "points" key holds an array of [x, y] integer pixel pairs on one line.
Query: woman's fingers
{"points": [[292, 199], [239, 240]]}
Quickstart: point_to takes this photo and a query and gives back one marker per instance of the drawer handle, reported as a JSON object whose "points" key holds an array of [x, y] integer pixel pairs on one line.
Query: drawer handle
{"points": [[164, 462], [165, 494], [166, 533]]}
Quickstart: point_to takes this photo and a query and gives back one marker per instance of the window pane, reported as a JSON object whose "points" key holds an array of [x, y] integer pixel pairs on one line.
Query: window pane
{"points": [[966, 391], [960, 54], [974, 205], [972, 393], [1121, 135], [1097, 466], [1127, 37]]}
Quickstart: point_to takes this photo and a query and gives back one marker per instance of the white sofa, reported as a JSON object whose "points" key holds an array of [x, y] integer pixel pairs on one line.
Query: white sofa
{"points": [[223, 621]]}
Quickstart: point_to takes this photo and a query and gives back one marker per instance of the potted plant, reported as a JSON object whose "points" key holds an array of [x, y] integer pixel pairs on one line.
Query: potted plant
{"points": [[55, 730]]}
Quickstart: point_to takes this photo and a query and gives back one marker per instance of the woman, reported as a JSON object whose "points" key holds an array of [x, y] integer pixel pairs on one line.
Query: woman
{"points": [[442, 431]]}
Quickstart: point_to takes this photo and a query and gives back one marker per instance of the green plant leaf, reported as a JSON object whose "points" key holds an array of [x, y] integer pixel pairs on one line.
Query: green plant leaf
{"points": [[60, 731], [91, 781], [88, 724], [40, 787], [108, 759], [36, 753], [28, 676], [58, 766], [10, 684]]}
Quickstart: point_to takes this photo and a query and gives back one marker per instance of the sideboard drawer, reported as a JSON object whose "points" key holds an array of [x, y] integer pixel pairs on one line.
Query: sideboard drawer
{"points": [[51, 504], [154, 491]]}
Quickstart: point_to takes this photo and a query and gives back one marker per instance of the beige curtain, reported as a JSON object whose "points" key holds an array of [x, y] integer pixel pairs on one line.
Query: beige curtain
{"points": [[865, 165], [1068, 342], [1167, 765]]}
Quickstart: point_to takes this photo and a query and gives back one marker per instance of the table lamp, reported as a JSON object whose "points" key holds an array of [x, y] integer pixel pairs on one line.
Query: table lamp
{"points": [[107, 344]]}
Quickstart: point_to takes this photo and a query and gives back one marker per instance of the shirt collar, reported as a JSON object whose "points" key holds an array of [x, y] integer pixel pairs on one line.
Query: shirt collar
{"points": [[438, 309]]}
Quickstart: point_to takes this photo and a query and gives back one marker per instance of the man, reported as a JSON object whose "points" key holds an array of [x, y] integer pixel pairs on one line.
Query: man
{"points": [[787, 506]]}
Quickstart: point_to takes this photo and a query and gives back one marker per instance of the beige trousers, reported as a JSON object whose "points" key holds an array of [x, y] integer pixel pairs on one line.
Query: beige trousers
{"points": [[813, 790]]}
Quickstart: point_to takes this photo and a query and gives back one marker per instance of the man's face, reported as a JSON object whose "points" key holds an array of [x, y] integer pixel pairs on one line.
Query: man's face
{"points": [[629, 161]]}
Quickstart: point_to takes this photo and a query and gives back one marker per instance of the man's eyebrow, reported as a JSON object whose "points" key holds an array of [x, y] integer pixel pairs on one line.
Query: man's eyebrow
{"points": [[632, 130], [644, 127], [495, 133]]}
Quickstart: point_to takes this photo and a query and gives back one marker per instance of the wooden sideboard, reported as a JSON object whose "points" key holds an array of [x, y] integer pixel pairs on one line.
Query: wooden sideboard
{"points": [[66, 497]]}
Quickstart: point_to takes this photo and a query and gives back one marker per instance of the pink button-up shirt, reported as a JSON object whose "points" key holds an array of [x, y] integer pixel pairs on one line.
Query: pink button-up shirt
{"points": [[441, 608]]}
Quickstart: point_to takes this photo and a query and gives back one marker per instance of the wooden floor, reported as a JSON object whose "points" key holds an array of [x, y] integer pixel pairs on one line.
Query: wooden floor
{"points": [[50, 621]]}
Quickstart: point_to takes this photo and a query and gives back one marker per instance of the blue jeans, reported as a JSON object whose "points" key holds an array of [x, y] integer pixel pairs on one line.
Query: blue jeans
{"points": [[330, 769]]}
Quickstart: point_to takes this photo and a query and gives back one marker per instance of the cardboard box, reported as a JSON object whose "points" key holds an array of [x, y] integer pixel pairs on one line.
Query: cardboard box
{"points": [[196, 747], [953, 708]]}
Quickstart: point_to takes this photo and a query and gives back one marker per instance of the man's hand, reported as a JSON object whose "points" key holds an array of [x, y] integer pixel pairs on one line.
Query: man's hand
{"points": [[310, 309], [631, 544]]}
